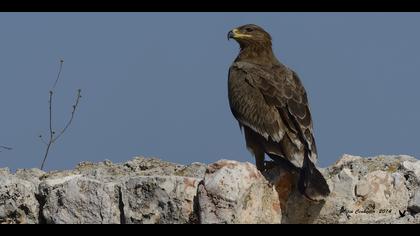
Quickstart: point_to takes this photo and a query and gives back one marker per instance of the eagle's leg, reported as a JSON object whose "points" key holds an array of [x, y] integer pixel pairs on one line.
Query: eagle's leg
{"points": [[254, 147], [259, 160]]}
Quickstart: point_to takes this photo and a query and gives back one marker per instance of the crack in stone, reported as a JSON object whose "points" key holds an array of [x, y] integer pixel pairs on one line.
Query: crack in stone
{"points": [[41, 201], [121, 206]]}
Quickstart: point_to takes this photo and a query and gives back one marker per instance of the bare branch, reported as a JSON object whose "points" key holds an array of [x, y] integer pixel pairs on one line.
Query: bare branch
{"points": [[5, 148], [51, 138], [52, 135], [59, 73], [76, 104]]}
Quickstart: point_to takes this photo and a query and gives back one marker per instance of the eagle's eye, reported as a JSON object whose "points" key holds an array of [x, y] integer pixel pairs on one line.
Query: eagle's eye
{"points": [[249, 29]]}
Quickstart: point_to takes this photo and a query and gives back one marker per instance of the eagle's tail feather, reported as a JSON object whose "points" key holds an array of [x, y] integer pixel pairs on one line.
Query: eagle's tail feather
{"points": [[311, 182]]}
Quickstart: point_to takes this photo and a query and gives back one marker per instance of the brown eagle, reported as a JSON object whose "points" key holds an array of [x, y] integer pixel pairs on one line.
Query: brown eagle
{"points": [[270, 103]]}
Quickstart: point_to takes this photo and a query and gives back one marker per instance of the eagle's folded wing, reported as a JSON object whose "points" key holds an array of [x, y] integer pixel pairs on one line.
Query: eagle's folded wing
{"points": [[272, 102]]}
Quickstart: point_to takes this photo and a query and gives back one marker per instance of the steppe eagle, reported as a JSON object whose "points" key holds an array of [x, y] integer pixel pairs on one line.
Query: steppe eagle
{"points": [[271, 105]]}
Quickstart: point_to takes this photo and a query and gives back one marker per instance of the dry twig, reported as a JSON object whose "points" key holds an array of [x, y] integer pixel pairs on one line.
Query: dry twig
{"points": [[53, 137], [5, 148]]}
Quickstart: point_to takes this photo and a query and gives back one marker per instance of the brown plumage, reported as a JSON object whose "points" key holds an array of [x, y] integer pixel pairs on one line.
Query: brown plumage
{"points": [[270, 103]]}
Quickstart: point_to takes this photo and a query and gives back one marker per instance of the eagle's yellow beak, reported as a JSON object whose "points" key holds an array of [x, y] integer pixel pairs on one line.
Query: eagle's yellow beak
{"points": [[236, 34]]}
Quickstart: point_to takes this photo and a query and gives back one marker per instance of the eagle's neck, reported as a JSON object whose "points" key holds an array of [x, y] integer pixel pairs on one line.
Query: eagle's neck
{"points": [[258, 54]]}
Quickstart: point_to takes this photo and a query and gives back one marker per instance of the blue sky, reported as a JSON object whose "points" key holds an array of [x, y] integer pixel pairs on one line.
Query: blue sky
{"points": [[155, 84]]}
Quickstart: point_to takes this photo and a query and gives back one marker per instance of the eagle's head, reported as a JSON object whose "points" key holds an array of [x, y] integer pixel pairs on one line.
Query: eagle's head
{"points": [[250, 35]]}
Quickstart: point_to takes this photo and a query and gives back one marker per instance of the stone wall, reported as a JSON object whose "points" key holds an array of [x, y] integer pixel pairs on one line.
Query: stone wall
{"points": [[383, 189]]}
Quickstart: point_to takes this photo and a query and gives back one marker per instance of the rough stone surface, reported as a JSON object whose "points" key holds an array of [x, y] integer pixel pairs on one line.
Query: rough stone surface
{"points": [[159, 199], [79, 200], [414, 204], [234, 192], [18, 203], [363, 190], [382, 189], [413, 167], [142, 190]]}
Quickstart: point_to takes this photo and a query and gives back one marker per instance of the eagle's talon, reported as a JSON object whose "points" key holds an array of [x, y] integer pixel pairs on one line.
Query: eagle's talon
{"points": [[268, 165]]}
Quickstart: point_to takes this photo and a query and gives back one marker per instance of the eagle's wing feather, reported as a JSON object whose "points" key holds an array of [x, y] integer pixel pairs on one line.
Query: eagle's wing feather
{"points": [[273, 102], [248, 104]]}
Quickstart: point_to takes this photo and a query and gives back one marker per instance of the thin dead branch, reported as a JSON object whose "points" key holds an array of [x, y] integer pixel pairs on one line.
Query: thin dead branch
{"points": [[53, 137], [5, 148]]}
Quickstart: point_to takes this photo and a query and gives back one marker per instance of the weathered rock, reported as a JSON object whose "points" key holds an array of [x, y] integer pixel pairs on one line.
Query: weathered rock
{"points": [[362, 189], [139, 166], [413, 167], [18, 203], [159, 199], [234, 192], [407, 219], [383, 189], [79, 200], [414, 204], [365, 190], [111, 193], [4, 171], [295, 208]]}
